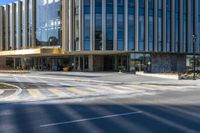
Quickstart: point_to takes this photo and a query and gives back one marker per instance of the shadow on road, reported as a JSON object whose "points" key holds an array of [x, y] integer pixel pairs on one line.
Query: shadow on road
{"points": [[98, 118]]}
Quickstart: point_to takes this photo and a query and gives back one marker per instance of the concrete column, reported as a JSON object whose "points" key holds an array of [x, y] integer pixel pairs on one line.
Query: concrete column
{"points": [[189, 43], [71, 25], [196, 18], [19, 24], [164, 24], [91, 63], [181, 31], [2, 62], [115, 25], [26, 17], [155, 25], [33, 30], [136, 25], [65, 25], [103, 25], [172, 25], [81, 24], [146, 25], [7, 27], [126, 25], [1, 28], [14, 63], [13, 26]]}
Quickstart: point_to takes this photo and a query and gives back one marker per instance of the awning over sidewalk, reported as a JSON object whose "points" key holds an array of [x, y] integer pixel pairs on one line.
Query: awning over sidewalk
{"points": [[33, 52]]}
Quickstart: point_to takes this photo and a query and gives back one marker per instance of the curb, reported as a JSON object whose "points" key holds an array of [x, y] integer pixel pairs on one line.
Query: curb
{"points": [[18, 91], [174, 77]]}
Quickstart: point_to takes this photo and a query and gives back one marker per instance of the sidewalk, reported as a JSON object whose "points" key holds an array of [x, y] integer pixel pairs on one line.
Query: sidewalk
{"points": [[14, 71]]}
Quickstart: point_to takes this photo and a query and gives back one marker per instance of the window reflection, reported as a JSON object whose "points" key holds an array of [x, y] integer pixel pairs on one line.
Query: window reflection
{"points": [[141, 25], [98, 24], [151, 25], [131, 32], [120, 25], [109, 24], [168, 25], [160, 46], [48, 23], [87, 24]]}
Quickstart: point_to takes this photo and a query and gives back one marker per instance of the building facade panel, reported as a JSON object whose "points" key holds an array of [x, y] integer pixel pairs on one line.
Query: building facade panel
{"points": [[1, 28], [102, 27]]}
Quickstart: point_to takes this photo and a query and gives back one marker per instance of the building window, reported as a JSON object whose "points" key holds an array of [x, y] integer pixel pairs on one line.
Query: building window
{"points": [[109, 24], [17, 25], [185, 24], [120, 25], [151, 25], [177, 47], [199, 24], [23, 24], [141, 25], [160, 46], [98, 24], [48, 30], [87, 25], [131, 29], [168, 25]]}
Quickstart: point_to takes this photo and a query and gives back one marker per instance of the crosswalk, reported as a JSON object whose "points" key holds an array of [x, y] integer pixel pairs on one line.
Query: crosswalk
{"points": [[40, 93]]}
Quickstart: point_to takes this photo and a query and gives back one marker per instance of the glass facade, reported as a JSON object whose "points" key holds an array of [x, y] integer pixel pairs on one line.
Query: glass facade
{"points": [[91, 20], [185, 24], [109, 24], [168, 24], [23, 24], [16, 28], [151, 25], [120, 25], [131, 28], [98, 24], [177, 48], [48, 26], [87, 35], [30, 23], [160, 15], [141, 25], [199, 23]]}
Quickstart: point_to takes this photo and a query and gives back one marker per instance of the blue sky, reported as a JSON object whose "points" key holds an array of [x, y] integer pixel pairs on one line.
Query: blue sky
{"points": [[3, 2]]}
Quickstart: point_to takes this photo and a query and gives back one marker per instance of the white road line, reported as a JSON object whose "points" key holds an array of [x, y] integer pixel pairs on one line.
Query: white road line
{"points": [[1, 92], [90, 119]]}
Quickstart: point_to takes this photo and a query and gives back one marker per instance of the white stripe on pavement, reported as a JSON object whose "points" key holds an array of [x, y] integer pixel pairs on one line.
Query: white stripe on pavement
{"points": [[90, 119]]}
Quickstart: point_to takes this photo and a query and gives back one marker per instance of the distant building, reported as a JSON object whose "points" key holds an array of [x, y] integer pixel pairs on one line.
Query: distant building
{"points": [[99, 35]]}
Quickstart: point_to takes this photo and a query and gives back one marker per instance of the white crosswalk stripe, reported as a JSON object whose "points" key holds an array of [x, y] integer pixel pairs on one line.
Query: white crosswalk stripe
{"points": [[59, 93], [35, 93]]}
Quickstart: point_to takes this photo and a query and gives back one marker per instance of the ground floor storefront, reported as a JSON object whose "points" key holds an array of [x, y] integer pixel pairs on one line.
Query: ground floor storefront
{"points": [[156, 63]]}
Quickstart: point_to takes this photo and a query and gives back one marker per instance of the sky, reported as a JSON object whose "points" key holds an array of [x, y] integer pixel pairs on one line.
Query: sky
{"points": [[3, 2]]}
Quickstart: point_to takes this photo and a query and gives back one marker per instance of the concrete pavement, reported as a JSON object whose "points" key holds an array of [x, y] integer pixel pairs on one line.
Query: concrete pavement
{"points": [[43, 86], [60, 103]]}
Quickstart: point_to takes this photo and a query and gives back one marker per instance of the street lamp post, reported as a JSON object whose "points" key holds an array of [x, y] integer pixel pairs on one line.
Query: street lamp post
{"points": [[194, 56]]}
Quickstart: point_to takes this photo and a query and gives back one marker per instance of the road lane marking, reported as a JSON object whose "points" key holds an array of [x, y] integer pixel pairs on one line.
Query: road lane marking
{"points": [[78, 91], [35, 93], [58, 92], [130, 88], [1, 92], [90, 119]]}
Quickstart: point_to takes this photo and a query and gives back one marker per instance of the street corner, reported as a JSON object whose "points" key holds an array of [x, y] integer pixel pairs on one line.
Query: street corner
{"points": [[8, 91]]}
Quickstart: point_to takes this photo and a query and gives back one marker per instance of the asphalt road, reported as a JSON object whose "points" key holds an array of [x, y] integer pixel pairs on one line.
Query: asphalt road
{"points": [[166, 112], [178, 113]]}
